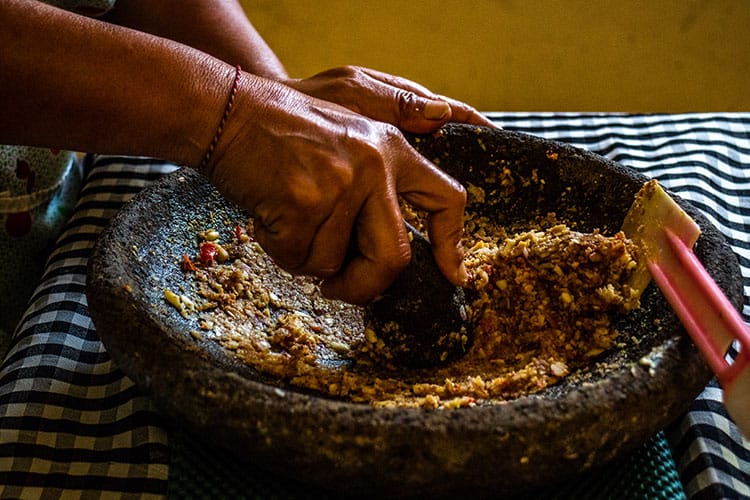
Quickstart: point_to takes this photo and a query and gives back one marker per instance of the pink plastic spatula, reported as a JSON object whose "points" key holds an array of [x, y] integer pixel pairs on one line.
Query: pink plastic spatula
{"points": [[666, 234]]}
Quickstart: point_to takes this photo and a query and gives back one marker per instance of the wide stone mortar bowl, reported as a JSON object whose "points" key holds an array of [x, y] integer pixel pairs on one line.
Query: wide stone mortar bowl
{"points": [[598, 413]]}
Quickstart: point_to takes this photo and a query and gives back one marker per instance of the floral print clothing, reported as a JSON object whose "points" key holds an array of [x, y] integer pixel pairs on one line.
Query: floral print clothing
{"points": [[37, 192]]}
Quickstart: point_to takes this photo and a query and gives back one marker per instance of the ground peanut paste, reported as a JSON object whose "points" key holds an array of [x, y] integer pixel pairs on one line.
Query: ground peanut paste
{"points": [[541, 303]]}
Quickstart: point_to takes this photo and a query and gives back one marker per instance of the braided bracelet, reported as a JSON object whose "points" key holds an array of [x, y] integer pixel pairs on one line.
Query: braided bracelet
{"points": [[222, 123]]}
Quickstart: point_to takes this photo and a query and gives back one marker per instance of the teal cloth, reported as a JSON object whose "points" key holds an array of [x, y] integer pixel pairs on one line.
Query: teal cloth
{"points": [[650, 472], [198, 471]]}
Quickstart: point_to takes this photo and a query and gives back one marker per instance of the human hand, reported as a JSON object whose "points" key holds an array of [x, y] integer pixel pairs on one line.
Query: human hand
{"points": [[387, 98], [314, 174]]}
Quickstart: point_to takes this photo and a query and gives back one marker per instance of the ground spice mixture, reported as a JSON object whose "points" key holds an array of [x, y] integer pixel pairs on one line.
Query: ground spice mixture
{"points": [[541, 304]]}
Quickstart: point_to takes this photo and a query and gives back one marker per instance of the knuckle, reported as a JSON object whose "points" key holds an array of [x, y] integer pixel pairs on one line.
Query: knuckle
{"points": [[280, 239], [346, 77], [396, 260], [450, 241], [340, 181], [408, 103], [345, 72], [391, 136], [371, 151], [304, 198], [305, 201], [458, 194]]}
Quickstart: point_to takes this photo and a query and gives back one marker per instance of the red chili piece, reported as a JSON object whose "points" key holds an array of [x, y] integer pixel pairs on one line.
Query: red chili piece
{"points": [[187, 264], [208, 252]]}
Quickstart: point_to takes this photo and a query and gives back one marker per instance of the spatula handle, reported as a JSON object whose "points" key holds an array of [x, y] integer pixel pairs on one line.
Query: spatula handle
{"points": [[704, 310]]}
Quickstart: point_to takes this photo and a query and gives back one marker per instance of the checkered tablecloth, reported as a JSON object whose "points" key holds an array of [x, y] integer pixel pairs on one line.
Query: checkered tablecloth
{"points": [[72, 425]]}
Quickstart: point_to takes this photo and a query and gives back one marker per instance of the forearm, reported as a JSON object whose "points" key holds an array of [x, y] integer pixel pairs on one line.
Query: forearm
{"points": [[84, 84], [219, 28]]}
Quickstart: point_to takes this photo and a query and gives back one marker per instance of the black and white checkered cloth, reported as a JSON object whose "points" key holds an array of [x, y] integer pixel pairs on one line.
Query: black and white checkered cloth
{"points": [[72, 425]]}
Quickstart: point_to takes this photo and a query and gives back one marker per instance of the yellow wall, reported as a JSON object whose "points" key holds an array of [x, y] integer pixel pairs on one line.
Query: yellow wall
{"points": [[576, 55]]}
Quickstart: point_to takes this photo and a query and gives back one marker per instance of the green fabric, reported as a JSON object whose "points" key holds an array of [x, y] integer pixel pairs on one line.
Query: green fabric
{"points": [[649, 473], [197, 472]]}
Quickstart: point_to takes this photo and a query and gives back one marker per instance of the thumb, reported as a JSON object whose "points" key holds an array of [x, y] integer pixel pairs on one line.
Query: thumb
{"points": [[419, 114]]}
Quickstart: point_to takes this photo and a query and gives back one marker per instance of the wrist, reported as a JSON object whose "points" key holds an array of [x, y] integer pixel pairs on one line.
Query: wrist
{"points": [[228, 108], [196, 111], [251, 104]]}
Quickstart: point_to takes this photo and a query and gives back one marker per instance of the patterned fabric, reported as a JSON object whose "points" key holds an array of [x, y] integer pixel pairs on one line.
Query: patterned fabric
{"points": [[71, 424], [37, 193]]}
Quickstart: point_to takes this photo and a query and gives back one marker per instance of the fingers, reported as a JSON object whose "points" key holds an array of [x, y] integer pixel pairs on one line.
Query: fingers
{"points": [[383, 251], [304, 249], [309, 233], [328, 248], [446, 234], [420, 110], [430, 189], [388, 98], [285, 230], [382, 240], [463, 113], [286, 238]]}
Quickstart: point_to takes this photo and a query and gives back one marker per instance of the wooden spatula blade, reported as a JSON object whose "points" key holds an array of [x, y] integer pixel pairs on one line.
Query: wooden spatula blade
{"points": [[652, 211]]}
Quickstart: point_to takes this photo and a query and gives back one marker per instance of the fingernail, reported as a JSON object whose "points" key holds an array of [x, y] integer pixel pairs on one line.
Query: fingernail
{"points": [[436, 110]]}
